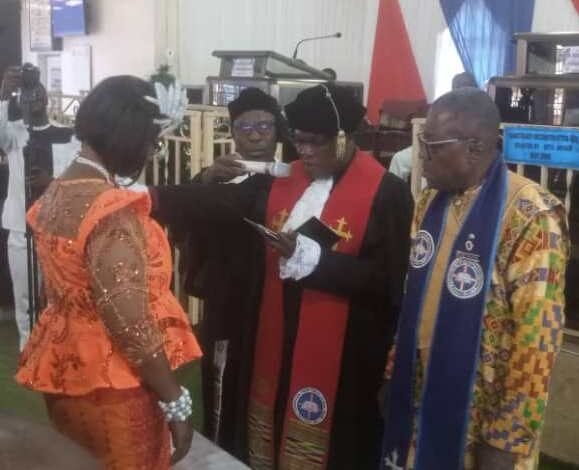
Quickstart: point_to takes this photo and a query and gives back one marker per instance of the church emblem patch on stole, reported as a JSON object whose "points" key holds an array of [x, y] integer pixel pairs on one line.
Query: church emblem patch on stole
{"points": [[422, 249], [465, 278], [310, 406]]}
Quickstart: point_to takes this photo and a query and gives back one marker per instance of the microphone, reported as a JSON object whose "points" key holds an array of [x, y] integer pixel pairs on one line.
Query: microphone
{"points": [[329, 36], [276, 169]]}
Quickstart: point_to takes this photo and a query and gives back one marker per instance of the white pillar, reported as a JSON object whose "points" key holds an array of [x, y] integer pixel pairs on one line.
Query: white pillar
{"points": [[167, 34]]}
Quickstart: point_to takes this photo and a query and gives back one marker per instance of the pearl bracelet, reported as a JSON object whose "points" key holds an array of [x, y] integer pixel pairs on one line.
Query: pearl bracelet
{"points": [[180, 409]]}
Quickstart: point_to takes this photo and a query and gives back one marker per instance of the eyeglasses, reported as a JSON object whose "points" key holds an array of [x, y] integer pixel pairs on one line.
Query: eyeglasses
{"points": [[431, 147], [261, 127], [316, 141]]}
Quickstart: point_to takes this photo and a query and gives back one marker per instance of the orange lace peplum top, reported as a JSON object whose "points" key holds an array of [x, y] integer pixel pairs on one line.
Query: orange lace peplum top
{"points": [[106, 273]]}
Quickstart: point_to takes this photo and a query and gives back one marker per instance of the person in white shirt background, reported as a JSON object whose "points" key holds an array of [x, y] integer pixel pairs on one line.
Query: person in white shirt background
{"points": [[401, 164], [26, 135]]}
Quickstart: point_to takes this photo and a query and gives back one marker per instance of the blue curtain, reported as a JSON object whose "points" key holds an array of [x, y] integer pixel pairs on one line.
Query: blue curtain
{"points": [[483, 30]]}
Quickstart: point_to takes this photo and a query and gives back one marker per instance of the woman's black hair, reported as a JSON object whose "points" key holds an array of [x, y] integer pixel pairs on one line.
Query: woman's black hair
{"points": [[117, 122]]}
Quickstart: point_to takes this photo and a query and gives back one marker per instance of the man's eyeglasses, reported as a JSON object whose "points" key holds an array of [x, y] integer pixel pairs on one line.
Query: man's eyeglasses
{"points": [[310, 141], [431, 147], [261, 127]]}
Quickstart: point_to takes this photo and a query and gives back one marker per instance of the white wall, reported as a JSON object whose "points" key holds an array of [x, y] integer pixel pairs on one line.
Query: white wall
{"points": [[133, 36], [434, 51], [208, 25], [122, 37], [553, 16]]}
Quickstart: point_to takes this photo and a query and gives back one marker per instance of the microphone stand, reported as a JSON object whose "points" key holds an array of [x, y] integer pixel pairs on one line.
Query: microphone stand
{"points": [[329, 36]]}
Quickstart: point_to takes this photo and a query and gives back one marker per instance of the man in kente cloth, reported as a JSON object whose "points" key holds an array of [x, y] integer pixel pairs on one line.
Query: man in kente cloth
{"points": [[482, 318], [223, 267], [326, 314]]}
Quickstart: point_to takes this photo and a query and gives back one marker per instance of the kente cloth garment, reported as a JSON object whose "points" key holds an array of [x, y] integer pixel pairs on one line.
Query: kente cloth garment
{"points": [[467, 259], [521, 326], [124, 429], [107, 272]]}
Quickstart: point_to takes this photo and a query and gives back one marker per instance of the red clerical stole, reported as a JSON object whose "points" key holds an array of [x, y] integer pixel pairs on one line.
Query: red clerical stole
{"points": [[323, 320]]}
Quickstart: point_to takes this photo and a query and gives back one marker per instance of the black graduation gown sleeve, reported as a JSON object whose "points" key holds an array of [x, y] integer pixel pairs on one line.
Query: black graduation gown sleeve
{"points": [[198, 243], [194, 243], [195, 202], [379, 271], [223, 264]]}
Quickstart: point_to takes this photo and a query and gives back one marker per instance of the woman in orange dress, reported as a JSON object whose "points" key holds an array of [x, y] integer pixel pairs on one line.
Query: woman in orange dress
{"points": [[104, 350]]}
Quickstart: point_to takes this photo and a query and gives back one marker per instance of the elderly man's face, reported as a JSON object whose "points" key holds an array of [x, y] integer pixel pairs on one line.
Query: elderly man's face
{"points": [[255, 135], [444, 151]]}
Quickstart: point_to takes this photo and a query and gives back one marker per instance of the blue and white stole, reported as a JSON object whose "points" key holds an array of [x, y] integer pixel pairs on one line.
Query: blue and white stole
{"points": [[443, 414]]}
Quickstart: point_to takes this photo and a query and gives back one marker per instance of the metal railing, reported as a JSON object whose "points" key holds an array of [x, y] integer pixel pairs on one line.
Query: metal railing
{"points": [[62, 108], [203, 136]]}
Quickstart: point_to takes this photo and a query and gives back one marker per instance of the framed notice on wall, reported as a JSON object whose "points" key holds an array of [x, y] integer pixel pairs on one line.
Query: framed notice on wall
{"points": [[40, 26]]}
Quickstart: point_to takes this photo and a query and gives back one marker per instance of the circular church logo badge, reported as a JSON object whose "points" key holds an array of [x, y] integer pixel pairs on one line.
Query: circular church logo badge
{"points": [[310, 406], [422, 249], [465, 278]]}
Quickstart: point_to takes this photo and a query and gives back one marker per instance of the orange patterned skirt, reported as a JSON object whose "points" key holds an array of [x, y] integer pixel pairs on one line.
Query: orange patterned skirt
{"points": [[124, 429]]}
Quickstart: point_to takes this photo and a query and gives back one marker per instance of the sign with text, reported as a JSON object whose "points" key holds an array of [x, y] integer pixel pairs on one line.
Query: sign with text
{"points": [[570, 58], [555, 147], [243, 67], [40, 25]]}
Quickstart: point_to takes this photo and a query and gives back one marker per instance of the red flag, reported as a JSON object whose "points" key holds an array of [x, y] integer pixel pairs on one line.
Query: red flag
{"points": [[394, 75]]}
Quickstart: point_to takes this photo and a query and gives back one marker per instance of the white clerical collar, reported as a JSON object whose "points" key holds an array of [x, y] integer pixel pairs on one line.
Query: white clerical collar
{"points": [[310, 204], [41, 128]]}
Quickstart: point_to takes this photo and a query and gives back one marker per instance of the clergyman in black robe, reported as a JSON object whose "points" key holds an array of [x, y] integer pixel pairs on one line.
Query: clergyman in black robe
{"points": [[342, 426], [222, 268]]}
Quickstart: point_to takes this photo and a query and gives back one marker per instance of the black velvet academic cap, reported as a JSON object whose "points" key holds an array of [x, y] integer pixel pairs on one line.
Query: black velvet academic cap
{"points": [[312, 110], [251, 99]]}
